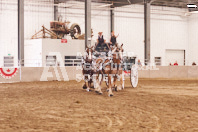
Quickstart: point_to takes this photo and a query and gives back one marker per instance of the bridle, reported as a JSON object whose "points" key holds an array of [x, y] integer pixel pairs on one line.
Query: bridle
{"points": [[87, 61], [118, 51]]}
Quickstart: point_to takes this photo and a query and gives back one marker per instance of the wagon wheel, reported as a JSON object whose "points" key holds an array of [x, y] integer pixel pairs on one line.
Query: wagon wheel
{"points": [[134, 76], [75, 31]]}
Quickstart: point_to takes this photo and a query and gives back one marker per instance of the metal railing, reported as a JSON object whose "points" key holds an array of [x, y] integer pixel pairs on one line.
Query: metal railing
{"points": [[75, 62]]}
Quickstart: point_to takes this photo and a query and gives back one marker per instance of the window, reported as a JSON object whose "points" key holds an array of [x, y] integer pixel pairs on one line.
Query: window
{"points": [[72, 61], [158, 61], [8, 61], [50, 60]]}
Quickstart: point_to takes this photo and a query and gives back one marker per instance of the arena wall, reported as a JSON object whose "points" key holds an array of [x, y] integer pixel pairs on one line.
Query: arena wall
{"points": [[170, 72], [30, 74]]}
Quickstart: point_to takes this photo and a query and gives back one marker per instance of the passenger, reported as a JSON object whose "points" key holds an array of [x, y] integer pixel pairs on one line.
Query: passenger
{"points": [[113, 40], [100, 40]]}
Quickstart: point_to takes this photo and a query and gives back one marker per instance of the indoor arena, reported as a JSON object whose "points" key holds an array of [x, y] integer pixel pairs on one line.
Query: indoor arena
{"points": [[98, 66]]}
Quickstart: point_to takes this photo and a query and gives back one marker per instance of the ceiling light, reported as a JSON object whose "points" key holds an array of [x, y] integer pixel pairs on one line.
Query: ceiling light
{"points": [[105, 5], [192, 6]]}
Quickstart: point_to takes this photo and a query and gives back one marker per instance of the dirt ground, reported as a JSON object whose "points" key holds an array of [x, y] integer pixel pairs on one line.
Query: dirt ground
{"points": [[155, 106]]}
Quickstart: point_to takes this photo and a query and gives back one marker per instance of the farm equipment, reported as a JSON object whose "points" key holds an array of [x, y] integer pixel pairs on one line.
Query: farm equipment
{"points": [[61, 29], [58, 30]]}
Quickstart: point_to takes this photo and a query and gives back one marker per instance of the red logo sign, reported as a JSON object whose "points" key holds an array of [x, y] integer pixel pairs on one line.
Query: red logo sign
{"points": [[8, 73], [63, 40]]}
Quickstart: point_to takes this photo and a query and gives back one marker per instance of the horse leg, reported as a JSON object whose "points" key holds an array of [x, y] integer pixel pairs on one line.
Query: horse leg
{"points": [[110, 93], [86, 85], [88, 88], [115, 82], [98, 86], [122, 80], [89, 83], [95, 81], [90, 80]]}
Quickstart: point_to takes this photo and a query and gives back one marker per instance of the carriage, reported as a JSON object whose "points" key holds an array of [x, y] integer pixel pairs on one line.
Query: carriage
{"points": [[130, 68]]}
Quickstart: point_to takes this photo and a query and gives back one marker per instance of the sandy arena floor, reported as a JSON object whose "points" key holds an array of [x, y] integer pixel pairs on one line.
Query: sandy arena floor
{"points": [[155, 106]]}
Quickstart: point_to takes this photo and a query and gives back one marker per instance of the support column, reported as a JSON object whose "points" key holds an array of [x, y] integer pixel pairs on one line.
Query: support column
{"points": [[112, 19], [21, 31], [147, 31], [55, 13], [87, 23]]}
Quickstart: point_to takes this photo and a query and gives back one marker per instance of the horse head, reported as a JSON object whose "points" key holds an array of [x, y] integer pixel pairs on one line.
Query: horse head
{"points": [[89, 52], [118, 51]]}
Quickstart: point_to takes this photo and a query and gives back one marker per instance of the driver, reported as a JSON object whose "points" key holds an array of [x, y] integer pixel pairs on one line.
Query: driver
{"points": [[100, 40]]}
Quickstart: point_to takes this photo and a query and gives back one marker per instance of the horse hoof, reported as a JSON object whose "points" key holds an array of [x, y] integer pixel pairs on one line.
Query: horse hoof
{"points": [[87, 90], [116, 89], [100, 93], [110, 95], [84, 87]]}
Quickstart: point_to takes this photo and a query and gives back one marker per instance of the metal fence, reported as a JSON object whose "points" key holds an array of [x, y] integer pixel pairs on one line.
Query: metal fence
{"points": [[10, 62]]}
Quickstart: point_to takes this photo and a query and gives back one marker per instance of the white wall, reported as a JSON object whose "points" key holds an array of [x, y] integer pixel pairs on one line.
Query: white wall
{"points": [[55, 47], [129, 23], [8, 30], [170, 29], [36, 15], [33, 53], [36, 51], [193, 39]]}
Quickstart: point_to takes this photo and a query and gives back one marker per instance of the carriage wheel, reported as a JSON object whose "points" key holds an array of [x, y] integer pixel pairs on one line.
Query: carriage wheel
{"points": [[134, 76]]}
